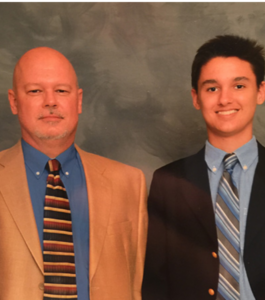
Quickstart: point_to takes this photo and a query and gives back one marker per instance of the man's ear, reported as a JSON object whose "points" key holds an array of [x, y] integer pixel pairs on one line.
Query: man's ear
{"points": [[12, 101], [195, 99], [80, 100], [261, 93]]}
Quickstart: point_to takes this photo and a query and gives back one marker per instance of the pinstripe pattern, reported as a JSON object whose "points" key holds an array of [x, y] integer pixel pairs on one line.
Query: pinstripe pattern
{"points": [[58, 247], [227, 222]]}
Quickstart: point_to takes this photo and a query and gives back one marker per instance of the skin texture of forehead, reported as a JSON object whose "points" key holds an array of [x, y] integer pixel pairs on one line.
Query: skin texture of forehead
{"points": [[38, 56]]}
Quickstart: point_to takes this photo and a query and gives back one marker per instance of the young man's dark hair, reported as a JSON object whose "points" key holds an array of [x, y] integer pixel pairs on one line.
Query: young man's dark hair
{"points": [[229, 46]]}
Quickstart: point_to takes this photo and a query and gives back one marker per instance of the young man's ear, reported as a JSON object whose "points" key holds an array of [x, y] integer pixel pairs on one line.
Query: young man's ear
{"points": [[12, 101], [261, 93], [195, 99]]}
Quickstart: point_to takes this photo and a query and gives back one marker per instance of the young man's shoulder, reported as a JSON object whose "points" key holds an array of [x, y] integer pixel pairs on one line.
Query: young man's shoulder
{"points": [[178, 167]]}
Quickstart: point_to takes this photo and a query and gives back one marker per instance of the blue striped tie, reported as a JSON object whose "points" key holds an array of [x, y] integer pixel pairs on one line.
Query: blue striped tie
{"points": [[227, 222]]}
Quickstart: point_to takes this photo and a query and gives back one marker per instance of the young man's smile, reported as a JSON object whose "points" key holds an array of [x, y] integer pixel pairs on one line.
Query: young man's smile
{"points": [[227, 96]]}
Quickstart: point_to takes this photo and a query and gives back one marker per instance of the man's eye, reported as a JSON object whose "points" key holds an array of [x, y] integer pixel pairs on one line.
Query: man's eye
{"points": [[61, 91], [239, 86], [34, 91]]}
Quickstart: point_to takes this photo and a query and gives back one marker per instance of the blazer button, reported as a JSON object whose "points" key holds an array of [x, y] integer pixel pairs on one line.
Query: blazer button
{"points": [[41, 286], [214, 254], [211, 292]]}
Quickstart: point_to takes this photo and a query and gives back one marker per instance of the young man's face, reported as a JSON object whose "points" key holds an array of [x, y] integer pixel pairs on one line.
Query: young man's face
{"points": [[227, 96]]}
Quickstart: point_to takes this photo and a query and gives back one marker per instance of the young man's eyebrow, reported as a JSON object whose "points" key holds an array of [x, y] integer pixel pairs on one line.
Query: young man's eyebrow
{"points": [[241, 78], [213, 81], [208, 81]]}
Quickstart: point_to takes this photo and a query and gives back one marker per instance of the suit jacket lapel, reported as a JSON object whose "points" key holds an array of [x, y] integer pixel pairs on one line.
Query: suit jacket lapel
{"points": [[199, 196], [255, 218], [15, 192], [99, 199]]}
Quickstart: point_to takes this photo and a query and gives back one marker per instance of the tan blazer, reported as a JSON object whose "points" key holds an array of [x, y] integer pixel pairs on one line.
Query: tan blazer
{"points": [[118, 225]]}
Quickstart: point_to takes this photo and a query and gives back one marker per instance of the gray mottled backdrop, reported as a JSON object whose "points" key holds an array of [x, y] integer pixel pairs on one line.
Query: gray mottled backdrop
{"points": [[133, 61]]}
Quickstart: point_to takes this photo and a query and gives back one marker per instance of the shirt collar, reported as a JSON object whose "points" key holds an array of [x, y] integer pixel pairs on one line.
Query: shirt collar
{"points": [[213, 157], [246, 155], [36, 160]]}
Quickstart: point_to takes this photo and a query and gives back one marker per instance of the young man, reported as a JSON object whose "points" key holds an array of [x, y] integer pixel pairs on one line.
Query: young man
{"points": [[82, 235], [206, 237]]}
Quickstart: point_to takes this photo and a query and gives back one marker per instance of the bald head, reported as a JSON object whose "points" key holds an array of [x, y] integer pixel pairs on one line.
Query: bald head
{"points": [[44, 57], [47, 100]]}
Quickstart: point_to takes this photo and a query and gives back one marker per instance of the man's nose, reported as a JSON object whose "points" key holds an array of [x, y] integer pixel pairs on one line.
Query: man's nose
{"points": [[49, 99]]}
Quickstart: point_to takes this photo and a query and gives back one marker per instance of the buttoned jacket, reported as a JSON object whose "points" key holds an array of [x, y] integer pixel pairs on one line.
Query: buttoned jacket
{"points": [[181, 260]]}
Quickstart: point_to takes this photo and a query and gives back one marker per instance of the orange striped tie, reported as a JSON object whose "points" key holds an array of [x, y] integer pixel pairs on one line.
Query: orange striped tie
{"points": [[58, 246]]}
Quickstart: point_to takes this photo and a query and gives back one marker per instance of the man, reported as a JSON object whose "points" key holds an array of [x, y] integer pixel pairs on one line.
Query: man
{"points": [[198, 245], [102, 219]]}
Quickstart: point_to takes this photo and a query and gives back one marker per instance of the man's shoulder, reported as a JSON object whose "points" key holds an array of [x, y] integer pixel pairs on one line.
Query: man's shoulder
{"points": [[10, 152], [105, 164], [3, 152]]}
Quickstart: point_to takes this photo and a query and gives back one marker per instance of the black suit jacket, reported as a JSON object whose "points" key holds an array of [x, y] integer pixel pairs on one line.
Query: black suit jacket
{"points": [[180, 262]]}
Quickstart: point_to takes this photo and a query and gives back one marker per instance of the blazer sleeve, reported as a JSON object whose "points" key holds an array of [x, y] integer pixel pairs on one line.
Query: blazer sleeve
{"points": [[142, 236]]}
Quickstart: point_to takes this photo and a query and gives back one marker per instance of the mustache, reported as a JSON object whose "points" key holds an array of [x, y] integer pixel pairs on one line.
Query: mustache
{"points": [[52, 112]]}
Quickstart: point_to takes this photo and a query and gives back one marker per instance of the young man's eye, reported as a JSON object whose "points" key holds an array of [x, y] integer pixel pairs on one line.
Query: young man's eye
{"points": [[239, 86], [212, 89]]}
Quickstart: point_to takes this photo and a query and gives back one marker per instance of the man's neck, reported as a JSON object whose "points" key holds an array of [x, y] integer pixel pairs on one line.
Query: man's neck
{"points": [[52, 148]]}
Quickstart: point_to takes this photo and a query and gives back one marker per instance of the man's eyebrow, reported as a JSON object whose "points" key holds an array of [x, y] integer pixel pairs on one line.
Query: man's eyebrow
{"points": [[64, 85]]}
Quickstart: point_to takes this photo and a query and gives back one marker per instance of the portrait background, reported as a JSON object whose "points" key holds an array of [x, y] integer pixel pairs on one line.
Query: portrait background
{"points": [[133, 61]]}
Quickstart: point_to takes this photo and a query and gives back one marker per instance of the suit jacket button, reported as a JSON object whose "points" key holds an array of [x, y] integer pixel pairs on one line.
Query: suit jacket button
{"points": [[41, 286], [214, 254], [211, 292]]}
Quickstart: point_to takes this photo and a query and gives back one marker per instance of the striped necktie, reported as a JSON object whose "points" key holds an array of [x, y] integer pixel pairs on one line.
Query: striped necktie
{"points": [[58, 247], [227, 222]]}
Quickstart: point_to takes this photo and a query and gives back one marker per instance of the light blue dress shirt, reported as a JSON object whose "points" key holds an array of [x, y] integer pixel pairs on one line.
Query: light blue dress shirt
{"points": [[243, 175], [73, 177]]}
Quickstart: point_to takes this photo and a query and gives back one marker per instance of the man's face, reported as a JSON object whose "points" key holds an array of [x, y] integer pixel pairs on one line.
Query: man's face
{"points": [[227, 96], [46, 98]]}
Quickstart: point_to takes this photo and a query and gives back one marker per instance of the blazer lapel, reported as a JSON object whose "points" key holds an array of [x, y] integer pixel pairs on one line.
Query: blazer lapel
{"points": [[199, 196], [99, 199], [255, 218], [15, 192]]}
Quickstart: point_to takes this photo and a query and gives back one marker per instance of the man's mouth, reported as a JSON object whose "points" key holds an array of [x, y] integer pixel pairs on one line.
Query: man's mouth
{"points": [[51, 117], [227, 112]]}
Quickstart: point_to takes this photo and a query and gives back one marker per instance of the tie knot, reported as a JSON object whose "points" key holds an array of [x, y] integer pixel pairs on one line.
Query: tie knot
{"points": [[230, 160], [53, 165]]}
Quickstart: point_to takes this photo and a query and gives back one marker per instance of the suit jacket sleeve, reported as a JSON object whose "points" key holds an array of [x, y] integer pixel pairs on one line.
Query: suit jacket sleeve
{"points": [[154, 283]]}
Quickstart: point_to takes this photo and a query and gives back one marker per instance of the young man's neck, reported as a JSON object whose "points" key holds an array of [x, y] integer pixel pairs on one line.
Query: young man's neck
{"points": [[229, 144]]}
